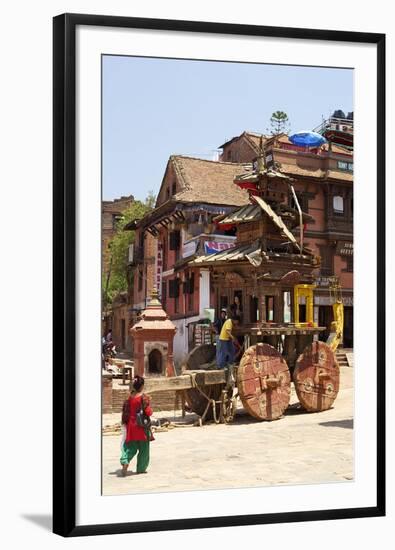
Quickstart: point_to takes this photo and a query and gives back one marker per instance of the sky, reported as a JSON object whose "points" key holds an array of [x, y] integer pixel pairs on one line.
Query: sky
{"points": [[154, 108]]}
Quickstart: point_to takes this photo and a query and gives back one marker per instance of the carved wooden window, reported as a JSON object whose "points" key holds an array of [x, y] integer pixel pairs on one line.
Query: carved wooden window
{"points": [[174, 288], [326, 253], [303, 200], [175, 241], [254, 309], [349, 264], [269, 301]]}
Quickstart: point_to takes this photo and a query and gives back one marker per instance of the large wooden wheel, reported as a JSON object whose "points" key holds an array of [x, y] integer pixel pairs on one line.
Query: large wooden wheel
{"points": [[264, 382], [202, 358], [316, 377]]}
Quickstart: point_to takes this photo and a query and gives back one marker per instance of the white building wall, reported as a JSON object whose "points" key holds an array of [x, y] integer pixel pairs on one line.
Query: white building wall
{"points": [[204, 292], [180, 345], [181, 337]]}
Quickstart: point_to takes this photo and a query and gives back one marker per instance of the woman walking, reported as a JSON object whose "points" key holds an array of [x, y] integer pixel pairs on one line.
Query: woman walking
{"points": [[137, 437]]}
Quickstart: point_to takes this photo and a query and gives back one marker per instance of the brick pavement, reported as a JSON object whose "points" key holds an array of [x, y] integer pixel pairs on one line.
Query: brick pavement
{"points": [[299, 448]]}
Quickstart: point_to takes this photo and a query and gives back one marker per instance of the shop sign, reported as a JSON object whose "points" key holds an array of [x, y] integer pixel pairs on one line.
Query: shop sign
{"points": [[159, 268], [211, 247], [188, 249], [324, 281], [345, 248]]}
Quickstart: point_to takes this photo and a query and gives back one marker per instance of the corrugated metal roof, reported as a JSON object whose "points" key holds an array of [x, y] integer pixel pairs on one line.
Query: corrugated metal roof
{"points": [[233, 254], [247, 213]]}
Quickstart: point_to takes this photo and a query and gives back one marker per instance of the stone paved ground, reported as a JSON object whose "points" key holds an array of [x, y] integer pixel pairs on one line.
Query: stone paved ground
{"points": [[298, 448]]}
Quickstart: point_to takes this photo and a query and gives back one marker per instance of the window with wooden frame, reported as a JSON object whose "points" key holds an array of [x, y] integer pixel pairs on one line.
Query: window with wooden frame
{"points": [[269, 308], [191, 292], [254, 309], [326, 253], [174, 292], [338, 205], [188, 291], [164, 294], [175, 242], [349, 264], [303, 200]]}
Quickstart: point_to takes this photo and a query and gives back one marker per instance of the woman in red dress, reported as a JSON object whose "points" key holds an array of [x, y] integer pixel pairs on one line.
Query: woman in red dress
{"points": [[137, 438]]}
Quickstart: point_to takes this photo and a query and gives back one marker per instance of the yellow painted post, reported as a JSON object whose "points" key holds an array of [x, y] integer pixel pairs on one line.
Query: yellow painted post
{"points": [[305, 291]]}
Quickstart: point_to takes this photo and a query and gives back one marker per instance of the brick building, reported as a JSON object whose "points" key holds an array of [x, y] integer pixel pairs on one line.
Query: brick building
{"points": [[116, 317], [192, 193], [323, 179], [111, 211], [195, 191]]}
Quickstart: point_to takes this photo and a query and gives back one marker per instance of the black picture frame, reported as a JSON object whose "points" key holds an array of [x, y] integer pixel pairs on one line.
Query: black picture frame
{"points": [[64, 273]]}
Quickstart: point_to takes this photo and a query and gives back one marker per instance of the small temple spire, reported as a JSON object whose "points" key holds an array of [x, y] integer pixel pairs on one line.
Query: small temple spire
{"points": [[154, 300]]}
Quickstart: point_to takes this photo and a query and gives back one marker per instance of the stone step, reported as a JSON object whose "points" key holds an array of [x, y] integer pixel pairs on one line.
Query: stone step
{"points": [[341, 358]]}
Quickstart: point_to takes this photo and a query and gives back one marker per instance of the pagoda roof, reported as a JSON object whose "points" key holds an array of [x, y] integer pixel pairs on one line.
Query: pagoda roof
{"points": [[253, 212], [253, 253]]}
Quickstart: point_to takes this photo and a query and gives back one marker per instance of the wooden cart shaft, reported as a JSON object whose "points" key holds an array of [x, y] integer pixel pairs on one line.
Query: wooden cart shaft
{"points": [[185, 381]]}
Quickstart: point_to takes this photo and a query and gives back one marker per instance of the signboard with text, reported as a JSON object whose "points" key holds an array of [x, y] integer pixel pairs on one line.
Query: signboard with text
{"points": [[159, 268], [211, 247], [345, 248]]}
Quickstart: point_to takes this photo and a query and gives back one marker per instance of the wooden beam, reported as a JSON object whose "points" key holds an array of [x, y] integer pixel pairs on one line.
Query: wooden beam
{"points": [[184, 381]]}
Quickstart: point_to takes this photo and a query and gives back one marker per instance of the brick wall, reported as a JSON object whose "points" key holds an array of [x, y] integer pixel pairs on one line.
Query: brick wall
{"points": [[107, 394], [240, 150], [161, 401]]}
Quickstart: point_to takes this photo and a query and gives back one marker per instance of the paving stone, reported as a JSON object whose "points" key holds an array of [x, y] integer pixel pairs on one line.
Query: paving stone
{"points": [[297, 449]]}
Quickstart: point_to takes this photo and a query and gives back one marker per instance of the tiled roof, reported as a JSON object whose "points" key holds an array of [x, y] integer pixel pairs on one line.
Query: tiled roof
{"points": [[252, 137], [209, 181]]}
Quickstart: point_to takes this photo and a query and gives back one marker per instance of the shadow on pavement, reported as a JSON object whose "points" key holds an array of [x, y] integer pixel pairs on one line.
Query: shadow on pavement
{"points": [[348, 423], [118, 473]]}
